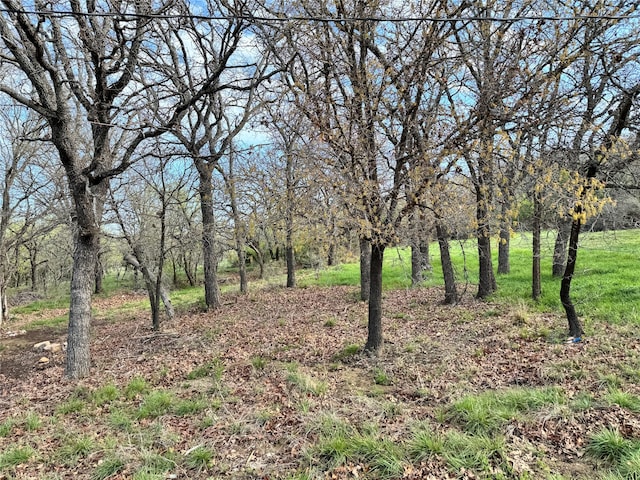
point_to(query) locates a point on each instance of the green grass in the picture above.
(155, 404)
(605, 285)
(306, 383)
(200, 458)
(109, 467)
(488, 411)
(213, 368)
(609, 445)
(15, 456)
(137, 386)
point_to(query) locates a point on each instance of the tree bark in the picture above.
(486, 281)
(504, 260)
(136, 261)
(536, 284)
(365, 269)
(560, 248)
(575, 328)
(209, 258)
(450, 290)
(4, 306)
(374, 336)
(99, 275)
(79, 332)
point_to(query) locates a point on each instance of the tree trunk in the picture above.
(33, 263)
(4, 306)
(416, 265)
(365, 269)
(79, 332)
(575, 328)
(209, 258)
(560, 248)
(487, 280)
(536, 284)
(374, 336)
(504, 261)
(291, 264)
(331, 254)
(137, 262)
(188, 271)
(450, 290)
(98, 275)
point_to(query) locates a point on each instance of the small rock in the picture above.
(42, 345)
(53, 348)
(43, 360)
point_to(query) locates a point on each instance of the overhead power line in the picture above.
(321, 19)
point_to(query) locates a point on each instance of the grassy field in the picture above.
(606, 285)
(275, 385)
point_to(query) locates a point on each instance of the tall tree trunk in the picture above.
(78, 360)
(575, 328)
(209, 258)
(242, 268)
(291, 263)
(365, 269)
(374, 336)
(4, 306)
(99, 273)
(504, 261)
(33, 263)
(450, 290)
(416, 265)
(331, 254)
(151, 283)
(536, 284)
(289, 253)
(487, 280)
(560, 248)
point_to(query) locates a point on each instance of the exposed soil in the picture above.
(18, 360)
(434, 355)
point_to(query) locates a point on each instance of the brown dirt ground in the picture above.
(433, 355)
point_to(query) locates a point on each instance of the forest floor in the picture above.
(275, 385)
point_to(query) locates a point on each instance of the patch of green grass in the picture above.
(120, 419)
(200, 458)
(624, 399)
(214, 369)
(629, 466)
(75, 447)
(73, 405)
(6, 427)
(486, 412)
(425, 443)
(258, 362)
(609, 445)
(330, 323)
(108, 467)
(155, 404)
(137, 386)
(473, 452)
(582, 401)
(32, 421)
(605, 286)
(347, 351)
(154, 464)
(105, 394)
(190, 406)
(381, 455)
(306, 383)
(14, 456)
(380, 377)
